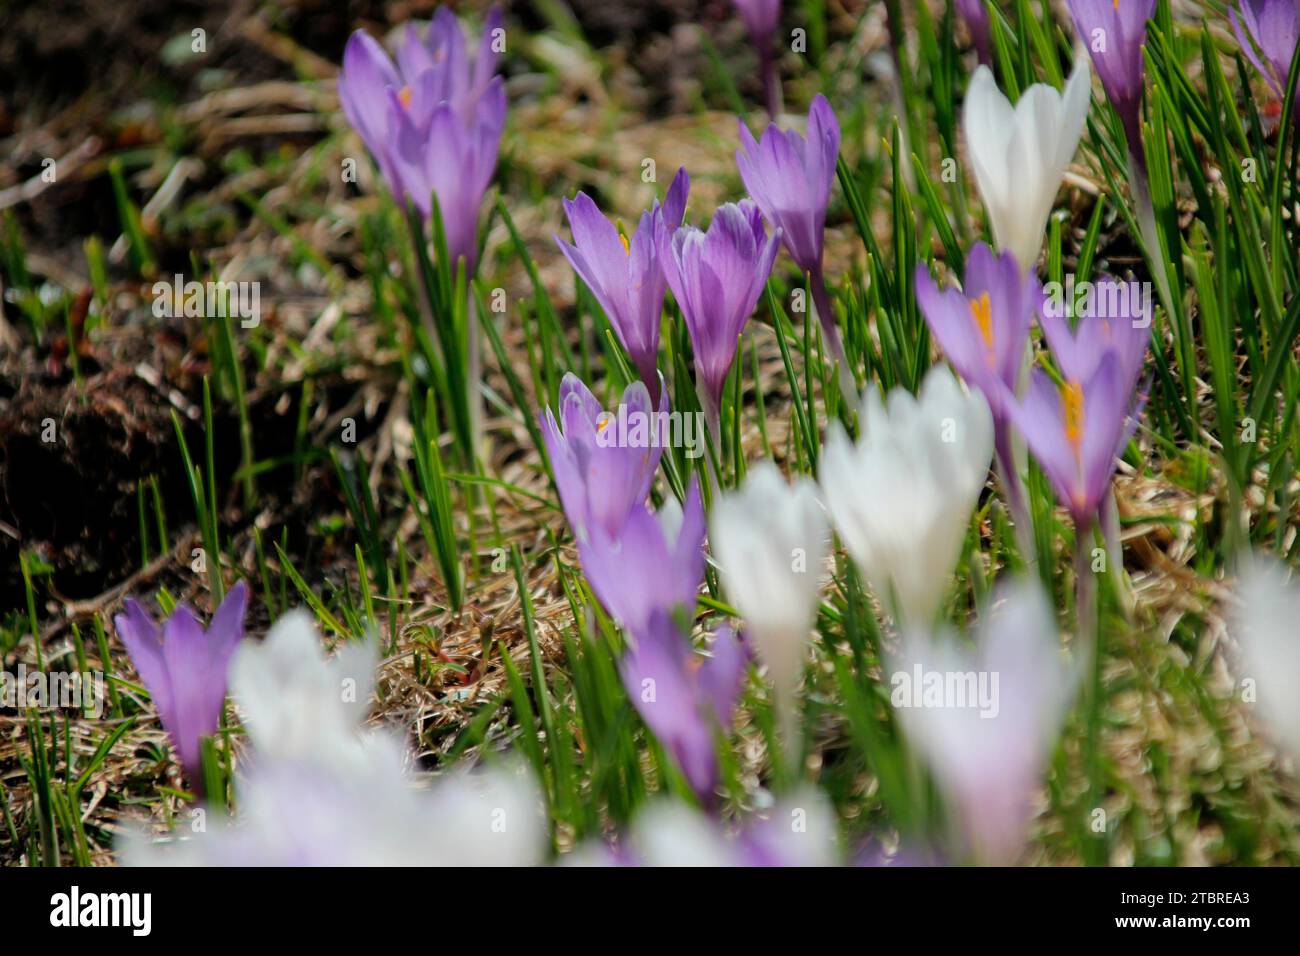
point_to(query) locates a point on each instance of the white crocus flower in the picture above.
(986, 719)
(297, 704)
(298, 814)
(770, 540)
(901, 498)
(1264, 626)
(1020, 153)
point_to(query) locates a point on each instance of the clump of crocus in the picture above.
(625, 274)
(1114, 33)
(683, 697)
(762, 17)
(976, 15)
(790, 178)
(988, 751)
(185, 668)
(983, 329)
(599, 481)
(901, 498)
(717, 277)
(1264, 626)
(1268, 32)
(433, 122)
(770, 540)
(652, 563)
(1020, 153)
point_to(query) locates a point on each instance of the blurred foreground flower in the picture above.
(1269, 32)
(185, 669)
(790, 178)
(770, 540)
(989, 749)
(799, 830)
(1020, 153)
(599, 480)
(433, 122)
(685, 698)
(901, 498)
(317, 791)
(294, 814)
(1264, 626)
(297, 705)
(625, 274)
(716, 278)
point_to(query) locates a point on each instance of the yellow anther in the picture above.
(981, 311)
(1072, 397)
(404, 95)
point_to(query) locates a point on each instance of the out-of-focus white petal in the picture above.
(986, 719)
(1268, 642)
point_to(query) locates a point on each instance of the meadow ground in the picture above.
(295, 453)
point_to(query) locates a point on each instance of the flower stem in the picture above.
(474, 376)
(1015, 494)
(1088, 637)
(771, 79)
(1146, 216)
(831, 336)
(713, 419)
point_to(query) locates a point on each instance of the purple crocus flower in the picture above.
(1114, 33)
(1078, 352)
(1268, 32)
(983, 329)
(762, 17)
(717, 277)
(599, 481)
(184, 668)
(451, 159)
(1077, 429)
(433, 122)
(654, 562)
(682, 696)
(625, 275)
(790, 178)
(976, 15)
(441, 65)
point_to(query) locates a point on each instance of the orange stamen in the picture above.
(627, 249)
(404, 96)
(1072, 397)
(981, 311)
